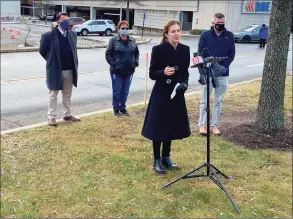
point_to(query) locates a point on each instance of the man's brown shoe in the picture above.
(203, 130)
(52, 122)
(215, 130)
(71, 118)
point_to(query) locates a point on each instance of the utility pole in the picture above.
(121, 11)
(34, 9)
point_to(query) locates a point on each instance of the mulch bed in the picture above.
(238, 128)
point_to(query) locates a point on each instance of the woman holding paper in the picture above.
(166, 117)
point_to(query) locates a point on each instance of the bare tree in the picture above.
(29, 28)
(45, 6)
(270, 113)
(138, 2)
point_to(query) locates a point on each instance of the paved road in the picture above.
(24, 92)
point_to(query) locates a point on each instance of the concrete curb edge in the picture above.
(35, 49)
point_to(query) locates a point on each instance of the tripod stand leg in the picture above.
(225, 190)
(218, 171)
(184, 176)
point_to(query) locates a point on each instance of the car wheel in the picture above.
(84, 32)
(246, 39)
(108, 32)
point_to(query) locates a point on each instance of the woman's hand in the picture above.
(169, 71)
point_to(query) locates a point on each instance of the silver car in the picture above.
(95, 26)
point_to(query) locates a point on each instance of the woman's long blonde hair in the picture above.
(166, 29)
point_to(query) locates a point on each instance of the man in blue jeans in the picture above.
(221, 43)
(122, 54)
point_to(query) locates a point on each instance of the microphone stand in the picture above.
(211, 170)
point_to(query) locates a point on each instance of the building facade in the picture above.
(194, 14)
(10, 11)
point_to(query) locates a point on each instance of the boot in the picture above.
(158, 168)
(166, 161)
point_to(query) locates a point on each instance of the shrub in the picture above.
(196, 31)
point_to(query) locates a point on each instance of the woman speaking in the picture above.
(166, 117)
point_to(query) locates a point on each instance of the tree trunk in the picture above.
(127, 12)
(270, 113)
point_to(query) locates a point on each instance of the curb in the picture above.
(106, 110)
(147, 40)
(35, 49)
(7, 22)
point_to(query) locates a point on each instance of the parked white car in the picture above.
(95, 26)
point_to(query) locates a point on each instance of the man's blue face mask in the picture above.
(64, 25)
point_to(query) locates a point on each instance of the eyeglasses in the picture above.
(124, 28)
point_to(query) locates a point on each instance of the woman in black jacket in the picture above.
(122, 54)
(166, 117)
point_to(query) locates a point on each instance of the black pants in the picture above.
(157, 149)
(262, 43)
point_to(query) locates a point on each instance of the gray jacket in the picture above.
(122, 57)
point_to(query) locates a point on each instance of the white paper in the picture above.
(174, 90)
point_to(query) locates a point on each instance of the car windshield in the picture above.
(111, 22)
(249, 28)
(87, 22)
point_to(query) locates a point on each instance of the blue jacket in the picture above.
(223, 46)
(264, 32)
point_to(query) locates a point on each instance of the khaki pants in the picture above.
(67, 76)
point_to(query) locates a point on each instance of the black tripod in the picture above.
(211, 170)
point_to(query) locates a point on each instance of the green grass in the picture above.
(102, 167)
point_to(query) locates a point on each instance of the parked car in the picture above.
(49, 17)
(95, 26)
(248, 34)
(75, 20)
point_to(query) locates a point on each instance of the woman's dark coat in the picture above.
(167, 119)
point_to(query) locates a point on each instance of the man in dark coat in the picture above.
(58, 48)
(263, 36)
(166, 117)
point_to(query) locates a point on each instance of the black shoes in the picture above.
(124, 112)
(117, 113)
(158, 168)
(166, 161)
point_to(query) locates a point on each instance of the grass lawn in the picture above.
(102, 167)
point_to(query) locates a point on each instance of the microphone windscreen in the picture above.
(205, 52)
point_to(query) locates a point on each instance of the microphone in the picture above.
(205, 58)
(201, 60)
(198, 61)
(208, 58)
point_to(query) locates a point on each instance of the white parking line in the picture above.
(259, 64)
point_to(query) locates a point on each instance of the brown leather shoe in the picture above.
(215, 130)
(71, 118)
(203, 130)
(52, 122)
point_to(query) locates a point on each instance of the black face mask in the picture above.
(220, 27)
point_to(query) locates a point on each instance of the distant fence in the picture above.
(10, 17)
